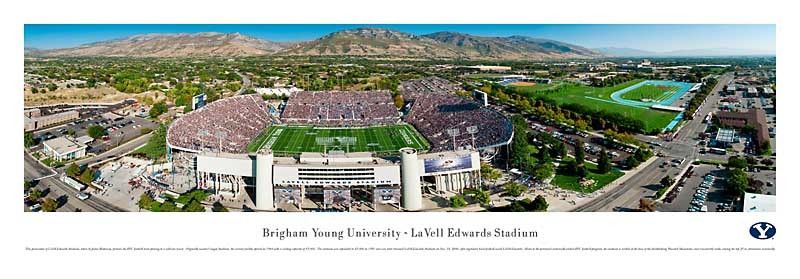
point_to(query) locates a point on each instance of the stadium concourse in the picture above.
(210, 147)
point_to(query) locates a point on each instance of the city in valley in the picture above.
(395, 119)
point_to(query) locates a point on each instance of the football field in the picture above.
(297, 139)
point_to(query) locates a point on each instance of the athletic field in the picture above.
(610, 99)
(650, 93)
(296, 139)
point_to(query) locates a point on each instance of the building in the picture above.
(755, 118)
(35, 121)
(758, 203)
(332, 177)
(725, 137)
(62, 149)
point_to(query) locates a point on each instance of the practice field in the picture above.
(297, 139)
(600, 98)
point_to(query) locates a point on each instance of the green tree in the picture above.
(539, 204)
(604, 162)
(158, 109)
(514, 189)
(218, 207)
(145, 201)
(483, 197)
(457, 201)
(29, 141)
(49, 205)
(631, 162)
(27, 185)
(489, 173)
(34, 90)
(194, 206)
(580, 154)
(73, 170)
(737, 181)
(544, 170)
(96, 131)
(52, 87)
(736, 162)
(35, 194)
(87, 176)
(666, 181)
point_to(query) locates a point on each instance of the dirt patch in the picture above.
(84, 95)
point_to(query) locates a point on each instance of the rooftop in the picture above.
(62, 145)
(758, 203)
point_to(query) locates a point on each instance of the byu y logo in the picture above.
(762, 230)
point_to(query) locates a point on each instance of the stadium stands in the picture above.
(435, 109)
(237, 120)
(334, 108)
(413, 89)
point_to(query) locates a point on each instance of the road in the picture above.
(645, 183)
(117, 151)
(47, 178)
(245, 84)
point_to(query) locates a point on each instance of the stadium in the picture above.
(329, 147)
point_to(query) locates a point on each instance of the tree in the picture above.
(399, 101)
(483, 197)
(87, 176)
(49, 205)
(145, 201)
(631, 162)
(514, 189)
(158, 109)
(96, 131)
(580, 154)
(604, 162)
(489, 173)
(73, 170)
(457, 201)
(34, 90)
(52, 87)
(736, 162)
(539, 204)
(667, 181)
(737, 182)
(544, 171)
(194, 206)
(29, 141)
(218, 207)
(35, 194)
(562, 150)
(27, 185)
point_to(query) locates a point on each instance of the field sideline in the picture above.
(297, 139)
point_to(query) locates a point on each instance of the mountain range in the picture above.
(708, 52)
(352, 42)
(363, 42)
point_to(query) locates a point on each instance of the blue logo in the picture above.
(762, 230)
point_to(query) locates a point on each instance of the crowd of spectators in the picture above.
(412, 89)
(232, 122)
(335, 108)
(435, 109)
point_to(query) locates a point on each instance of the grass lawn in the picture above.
(599, 98)
(537, 87)
(570, 182)
(650, 92)
(296, 139)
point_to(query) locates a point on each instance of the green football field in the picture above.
(650, 92)
(599, 98)
(296, 139)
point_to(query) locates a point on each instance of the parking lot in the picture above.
(119, 130)
(704, 187)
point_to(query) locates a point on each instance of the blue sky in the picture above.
(645, 37)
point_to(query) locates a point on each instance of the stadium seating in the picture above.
(436, 109)
(333, 108)
(237, 120)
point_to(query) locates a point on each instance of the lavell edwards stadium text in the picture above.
(447, 232)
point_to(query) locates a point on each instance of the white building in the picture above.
(62, 149)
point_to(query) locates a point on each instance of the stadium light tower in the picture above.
(203, 133)
(472, 130)
(453, 132)
(220, 135)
